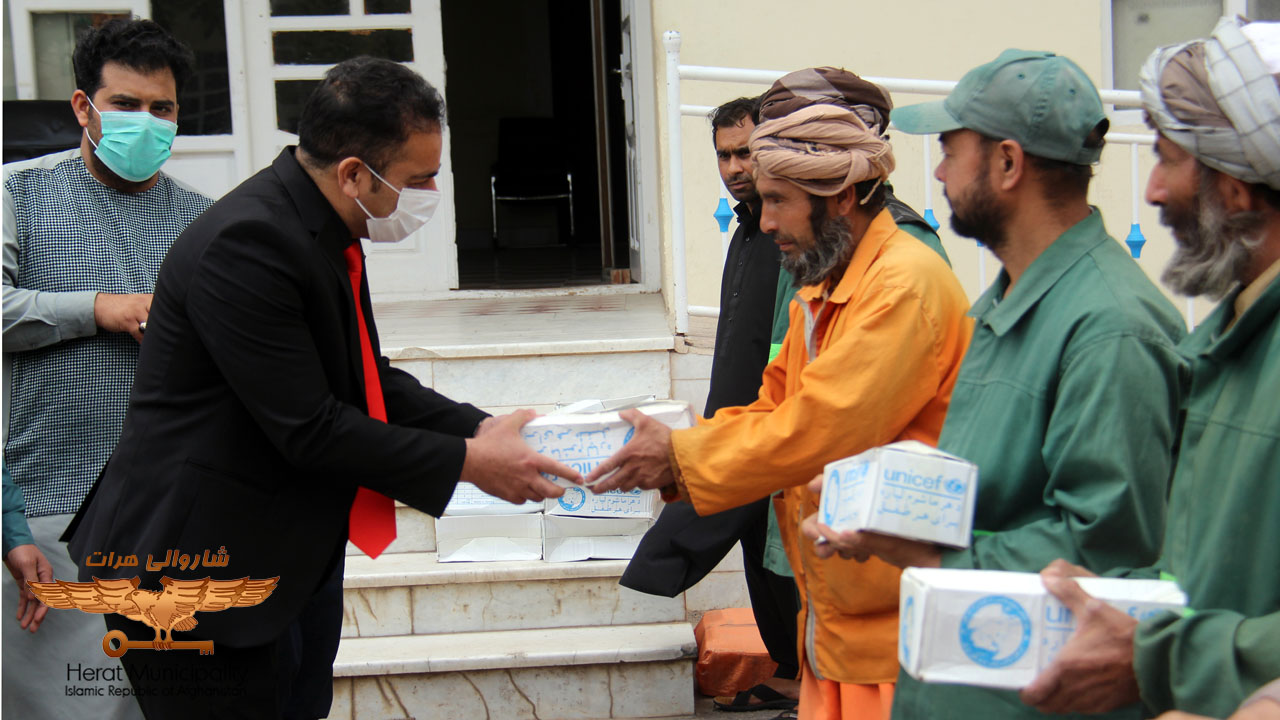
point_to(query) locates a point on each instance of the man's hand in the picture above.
(26, 562)
(121, 313)
(641, 463)
(1093, 672)
(860, 546)
(502, 464)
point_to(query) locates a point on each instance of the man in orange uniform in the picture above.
(876, 338)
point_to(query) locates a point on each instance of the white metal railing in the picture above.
(675, 110)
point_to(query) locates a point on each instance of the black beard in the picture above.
(979, 216)
(832, 248)
(1213, 248)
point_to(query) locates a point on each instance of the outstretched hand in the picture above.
(1093, 672)
(641, 463)
(860, 546)
(502, 464)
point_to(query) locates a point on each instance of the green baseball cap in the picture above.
(1043, 101)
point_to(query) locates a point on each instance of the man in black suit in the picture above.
(252, 422)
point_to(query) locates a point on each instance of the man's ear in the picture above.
(349, 172)
(1008, 164)
(845, 201)
(80, 106)
(1237, 195)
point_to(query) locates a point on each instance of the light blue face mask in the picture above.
(134, 144)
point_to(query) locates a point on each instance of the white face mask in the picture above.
(413, 209)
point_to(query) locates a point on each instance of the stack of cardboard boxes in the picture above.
(579, 525)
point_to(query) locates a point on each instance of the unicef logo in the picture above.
(904, 626)
(573, 499)
(831, 497)
(955, 487)
(995, 632)
(631, 431)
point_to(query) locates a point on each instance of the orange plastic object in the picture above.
(731, 655)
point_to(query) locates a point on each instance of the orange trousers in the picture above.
(831, 700)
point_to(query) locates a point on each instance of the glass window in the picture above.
(291, 95)
(385, 7)
(204, 106)
(53, 39)
(1140, 26)
(322, 47)
(1264, 9)
(309, 7)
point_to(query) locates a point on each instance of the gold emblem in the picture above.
(172, 609)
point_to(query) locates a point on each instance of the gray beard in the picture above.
(832, 248)
(1213, 249)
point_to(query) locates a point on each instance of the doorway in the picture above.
(538, 145)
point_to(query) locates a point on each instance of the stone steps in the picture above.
(413, 593)
(623, 671)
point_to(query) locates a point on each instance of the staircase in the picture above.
(513, 640)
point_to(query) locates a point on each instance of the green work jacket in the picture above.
(1223, 531)
(1067, 401)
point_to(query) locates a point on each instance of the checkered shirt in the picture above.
(67, 401)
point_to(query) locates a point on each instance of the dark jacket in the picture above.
(247, 426)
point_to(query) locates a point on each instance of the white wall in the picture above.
(929, 39)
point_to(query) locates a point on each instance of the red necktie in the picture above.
(373, 515)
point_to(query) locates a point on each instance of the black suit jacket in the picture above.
(247, 426)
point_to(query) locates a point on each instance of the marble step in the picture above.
(403, 594)
(622, 671)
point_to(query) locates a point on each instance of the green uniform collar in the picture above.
(1209, 339)
(1002, 313)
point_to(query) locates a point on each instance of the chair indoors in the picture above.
(533, 167)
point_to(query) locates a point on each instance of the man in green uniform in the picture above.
(1068, 395)
(1216, 107)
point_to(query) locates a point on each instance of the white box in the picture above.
(479, 538)
(1000, 629)
(470, 500)
(584, 440)
(568, 539)
(906, 489)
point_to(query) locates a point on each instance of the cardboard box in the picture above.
(584, 440)
(480, 538)
(1000, 629)
(906, 489)
(568, 539)
(470, 500)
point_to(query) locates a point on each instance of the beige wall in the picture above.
(924, 39)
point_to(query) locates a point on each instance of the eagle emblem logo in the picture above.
(174, 608)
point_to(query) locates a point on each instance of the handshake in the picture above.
(621, 451)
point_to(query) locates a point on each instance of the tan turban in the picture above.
(822, 149)
(1218, 98)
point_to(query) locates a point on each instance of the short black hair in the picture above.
(734, 112)
(140, 45)
(366, 107)
(1062, 181)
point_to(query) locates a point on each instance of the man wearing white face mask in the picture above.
(84, 234)
(264, 419)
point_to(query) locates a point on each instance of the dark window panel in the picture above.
(321, 47)
(205, 101)
(386, 7)
(291, 95)
(281, 8)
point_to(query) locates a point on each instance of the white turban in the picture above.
(1241, 61)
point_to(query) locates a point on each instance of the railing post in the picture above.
(928, 184)
(675, 183)
(1135, 240)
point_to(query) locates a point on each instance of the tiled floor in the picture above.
(533, 267)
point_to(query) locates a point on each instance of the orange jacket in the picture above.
(872, 365)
